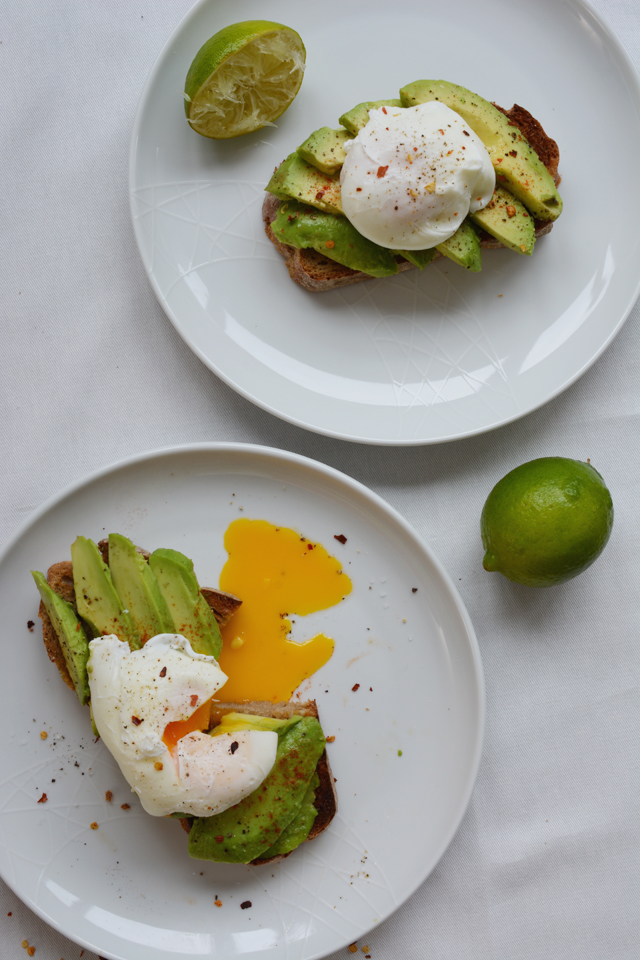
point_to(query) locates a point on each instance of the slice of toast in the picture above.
(223, 605)
(316, 273)
(325, 801)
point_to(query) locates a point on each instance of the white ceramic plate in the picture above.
(417, 358)
(129, 890)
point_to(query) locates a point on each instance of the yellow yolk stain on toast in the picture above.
(276, 573)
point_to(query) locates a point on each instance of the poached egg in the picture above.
(413, 174)
(150, 707)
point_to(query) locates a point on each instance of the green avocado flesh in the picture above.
(299, 180)
(298, 830)
(463, 247)
(517, 165)
(138, 588)
(506, 219)
(97, 600)
(419, 258)
(358, 117)
(247, 830)
(300, 226)
(190, 613)
(325, 149)
(70, 633)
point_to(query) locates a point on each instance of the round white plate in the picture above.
(128, 890)
(418, 358)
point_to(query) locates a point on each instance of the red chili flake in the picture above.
(218, 903)
(330, 739)
(382, 170)
(245, 904)
(513, 153)
(414, 589)
(108, 796)
(290, 218)
(499, 160)
(358, 189)
(501, 177)
(466, 133)
(125, 806)
(163, 672)
(310, 546)
(194, 699)
(136, 720)
(219, 839)
(319, 194)
(355, 687)
(340, 537)
(78, 626)
(43, 798)
(330, 244)
(442, 132)
(384, 110)
(30, 624)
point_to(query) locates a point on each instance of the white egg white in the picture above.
(413, 174)
(136, 694)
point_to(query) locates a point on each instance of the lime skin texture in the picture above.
(546, 521)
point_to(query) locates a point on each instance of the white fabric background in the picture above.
(546, 861)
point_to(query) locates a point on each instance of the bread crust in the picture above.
(317, 273)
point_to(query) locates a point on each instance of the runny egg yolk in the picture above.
(199, 720)
(275, 572)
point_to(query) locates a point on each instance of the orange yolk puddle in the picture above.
(275, 572)
(199, 720)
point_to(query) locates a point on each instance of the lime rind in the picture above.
(546, 521)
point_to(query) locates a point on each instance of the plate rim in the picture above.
(632, 77)
(353, 486)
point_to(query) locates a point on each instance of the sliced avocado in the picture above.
(358, 117)
(70, 633)
(232, 722)
(325, 149)
(97, 600)
(419, 258)
(298, 180)
(506, 219)
(138, 588)
(255, 823)
(190, 613)
(463, 247)
(516, 163)
(335, 237)
(298, 830)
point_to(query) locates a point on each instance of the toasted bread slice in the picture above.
(316, 273)
(223, 605)
(326, 801)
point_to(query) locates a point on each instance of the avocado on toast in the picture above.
(297, 800)
(323, 251)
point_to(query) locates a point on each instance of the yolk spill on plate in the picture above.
(276, 573)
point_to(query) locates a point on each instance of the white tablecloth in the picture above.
(546, 861)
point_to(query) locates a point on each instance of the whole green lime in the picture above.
(546, 521)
